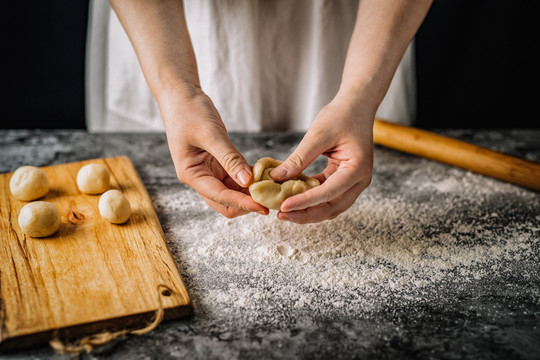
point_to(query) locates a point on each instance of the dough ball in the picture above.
(114, 207)
(39, 219)
(93, 179)
(269, 193)
(29, 183)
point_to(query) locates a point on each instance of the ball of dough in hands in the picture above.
(93, 179)
(39, 219)
(269, 193)
(114, 207)
(29, 183)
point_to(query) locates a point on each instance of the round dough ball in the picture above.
(39, 219)
(114, 207)
(29, 183)
(93, 179)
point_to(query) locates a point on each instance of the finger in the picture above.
(327, 172)
(230, 159)
(335, 185)
(213, 189)
(231, 184)
(309, 148)
(326, 211)
(227, 211)
(320, 177)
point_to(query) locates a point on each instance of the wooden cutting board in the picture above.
(91, 275)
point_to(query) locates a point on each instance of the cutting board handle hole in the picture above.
(166, 292)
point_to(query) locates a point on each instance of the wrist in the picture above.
(174, 82)
(365, 91)
(179, 92)
(360, 100)
(182, 104)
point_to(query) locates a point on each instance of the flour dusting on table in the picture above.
(392, 250)
(430, 262)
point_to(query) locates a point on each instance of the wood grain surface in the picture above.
(457, 153)
(91, 275)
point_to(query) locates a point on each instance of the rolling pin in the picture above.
(457, 153)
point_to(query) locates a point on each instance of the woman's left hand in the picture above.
(342, 131)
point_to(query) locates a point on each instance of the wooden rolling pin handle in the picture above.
(457, 153)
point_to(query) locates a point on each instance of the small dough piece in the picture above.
(114, 207)
(29, 183)
(39, 219)
(93, 179)
(269, 193)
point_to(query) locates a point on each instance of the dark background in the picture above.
(477, 64)
(43, 46)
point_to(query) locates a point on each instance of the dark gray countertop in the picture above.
(430, 262)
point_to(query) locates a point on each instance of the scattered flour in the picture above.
(384, 250)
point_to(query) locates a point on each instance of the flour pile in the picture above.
(388, 250)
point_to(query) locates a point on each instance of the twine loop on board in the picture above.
(90, 342)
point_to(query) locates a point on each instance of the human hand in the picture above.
(342, 131)
(203, 155)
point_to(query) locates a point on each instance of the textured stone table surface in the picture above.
(430, 262)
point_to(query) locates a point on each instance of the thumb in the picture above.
(307, 151)
(232, 161)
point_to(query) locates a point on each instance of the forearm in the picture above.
(159, 35)
(383, 30)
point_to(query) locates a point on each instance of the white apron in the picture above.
(266, 65)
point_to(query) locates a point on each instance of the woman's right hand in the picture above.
(203, 155)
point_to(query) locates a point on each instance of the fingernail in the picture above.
(244, 177)
(278, 173)
(284, 208)
(261, 212)
(284, 217)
